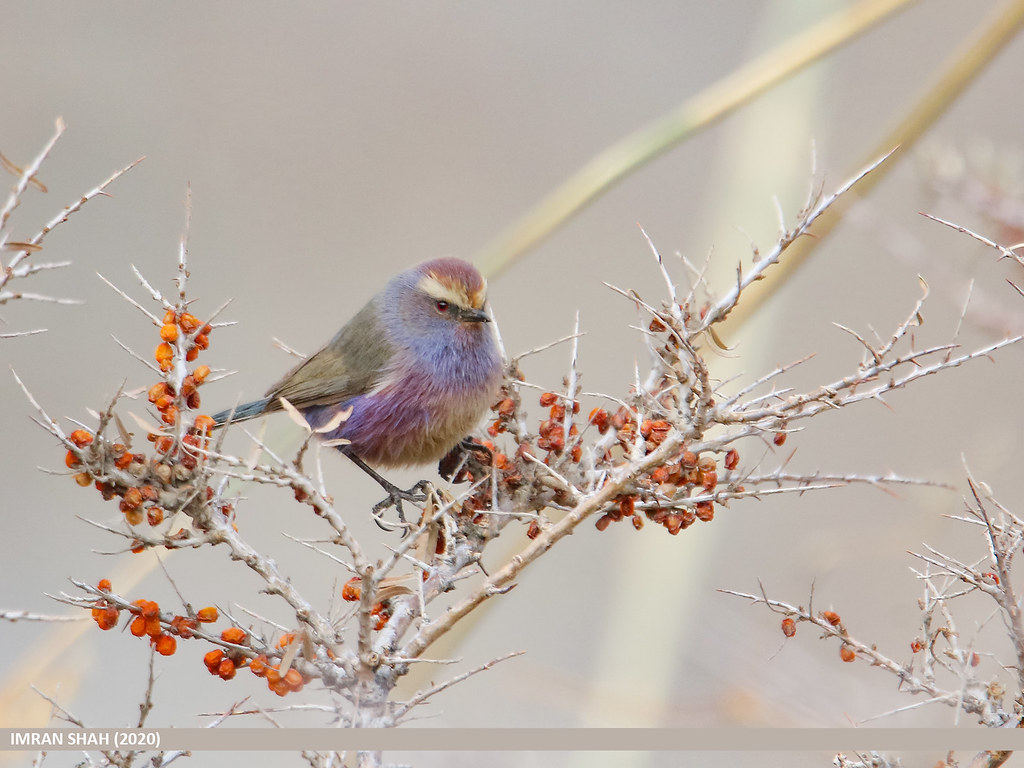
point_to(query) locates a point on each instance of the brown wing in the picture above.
(350, 364)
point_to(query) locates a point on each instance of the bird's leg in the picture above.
(395, 497)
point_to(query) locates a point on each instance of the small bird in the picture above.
(418, 366)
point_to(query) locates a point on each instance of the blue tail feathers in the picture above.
(242, 412)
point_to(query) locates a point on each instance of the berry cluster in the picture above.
(224, 663)
(660, 496)
(197, 337)
(149, 485)
(685, 474)
(846, 651)
(148, 622)
(381, 610)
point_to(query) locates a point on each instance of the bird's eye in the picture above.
(442, 306)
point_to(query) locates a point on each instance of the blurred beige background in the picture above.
(330, 145)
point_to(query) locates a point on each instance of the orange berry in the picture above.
(915, 646)
(280, 687)
(104, 585)
(154, 516)
(122, 461)
(84, 479)
(165, 644)
(506, 407)
(202, 341)
(205, 424)
(169, 333)
(533, 531)
(192, 354)
(273, 675)
(138, 626)
(831, 617)
(137, 547)
(80, 437)
(188, 322)
(638, 522)
(158, 390)
(207, 615)
(132, 498)
(71, 460)
(847, 654)
(213, 659)
(622, 417)
(226, 669)
(164, 353)
(705, 511)
(170, 415)
(107, 617)
(688, 459)
(164, 443)
(200, 374)
(286, 639)
(293, 680)
(732, 459)
(788, 627)
(235, 635)
(258, 666)
(548, 399)
(603, 522)
(133, 516)
(779, 439)
(184, 626)
(351, 591)
(169, 317)
(709, 480)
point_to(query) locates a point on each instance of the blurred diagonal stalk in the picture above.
(692, 116)
(706, 108)
(963, 66)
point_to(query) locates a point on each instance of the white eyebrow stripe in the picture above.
(438, 290)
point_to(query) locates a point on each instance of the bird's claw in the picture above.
(415, 495)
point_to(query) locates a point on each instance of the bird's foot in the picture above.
(415, 495)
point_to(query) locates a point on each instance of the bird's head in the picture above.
(442, 299)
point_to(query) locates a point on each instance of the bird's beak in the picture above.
(474, 316)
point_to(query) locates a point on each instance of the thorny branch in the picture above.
(19, 266)
(944, 664)
(665, 455)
